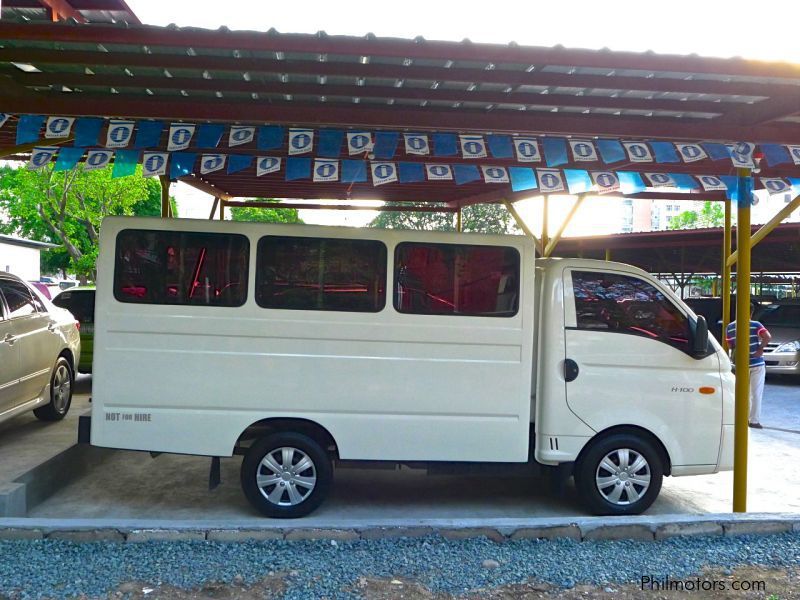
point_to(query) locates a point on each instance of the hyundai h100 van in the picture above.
(304, 348)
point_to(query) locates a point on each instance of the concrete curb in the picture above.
(640, 528)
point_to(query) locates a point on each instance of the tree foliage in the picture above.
(266, 215)
(67, 208)
(479, 218)
(711, 215)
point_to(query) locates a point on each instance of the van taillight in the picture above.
(78, 325)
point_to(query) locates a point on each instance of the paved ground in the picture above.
(133, 485)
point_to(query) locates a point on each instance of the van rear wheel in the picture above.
(286, 475)
(620, 474)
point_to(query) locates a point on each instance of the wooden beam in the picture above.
(25, 148)
(204, 186)
(62, 9)
(524, 226)
(551, 244)
(165, 208)
(301, 206)
(213, 208)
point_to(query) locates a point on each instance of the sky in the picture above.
(720, 28)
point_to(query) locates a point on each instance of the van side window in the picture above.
(304, 273)
(624, 304)
(456, 279)
(185, 268)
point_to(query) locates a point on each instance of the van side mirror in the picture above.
(700, 338)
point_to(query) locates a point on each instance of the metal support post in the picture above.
(553, 242)
(458, 220)
(768, 227)
(608, 254)
(742, 411)
(522, 225)
(213, 209)
(165, 207)
(726, 276)
(222, 205)
(545, 225)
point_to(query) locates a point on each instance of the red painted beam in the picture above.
(371, 91)
(527, 122)
(299, 206)
(389, 47)
(411, 72)
(62, 9)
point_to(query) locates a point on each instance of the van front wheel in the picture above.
(286, 475)
(619, 475)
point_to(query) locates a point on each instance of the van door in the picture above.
(628, 362)
(9, 362)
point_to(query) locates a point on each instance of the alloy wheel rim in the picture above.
(623, 476)
(286, 476)
(61, 388)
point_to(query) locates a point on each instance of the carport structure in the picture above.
(347, 84)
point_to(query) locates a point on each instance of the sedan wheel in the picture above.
(61, 381)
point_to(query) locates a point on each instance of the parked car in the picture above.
(39, 347)
(782, 318)
(43, 289)
(80, 302)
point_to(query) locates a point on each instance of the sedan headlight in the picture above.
(789, 347)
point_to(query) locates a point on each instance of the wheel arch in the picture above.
(66, 353)
(263, 427)
(634, 430)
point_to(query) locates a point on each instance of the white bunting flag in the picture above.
(154, 163)
(56, 127)
(40, 157)
(691, 152)
(794, 151)
(527, 150)
(241, 135)
(660, 179)
(472, 146)
(3, 118)
(301, 141)
(495, 175)
(742, 154)
(359, 142)
(711, 183)
(211, 162)
(417, 144)
(439, 172)
(180, 136)
(119, 133)
(383, 172)
(97, 159)
(326, 170)
(267, 164)
(550, 181)
(775, 185)
(583, 150)
(606, 181)
(638, 151)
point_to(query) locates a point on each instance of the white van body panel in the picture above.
(386, 385)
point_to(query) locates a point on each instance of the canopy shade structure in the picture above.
(393, 85)
(82, 11)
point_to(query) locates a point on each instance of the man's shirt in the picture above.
(755, 342)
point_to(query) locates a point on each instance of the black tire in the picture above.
(62, 381)
(595, 496)
(275, 499)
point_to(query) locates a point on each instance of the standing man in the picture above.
(759, 338)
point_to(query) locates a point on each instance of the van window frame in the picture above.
(378, 243)
(497, 315)
(690, 322)
(246, 271)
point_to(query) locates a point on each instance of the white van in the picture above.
(306, 347)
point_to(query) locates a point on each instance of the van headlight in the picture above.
(789, 347)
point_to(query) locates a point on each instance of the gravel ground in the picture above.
(294, 570)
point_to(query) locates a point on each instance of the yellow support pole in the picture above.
(768, 227)
(458, 220)
(742, 410)
(545, 218)
(726, 275)
(608, 254)
(553, 242)
(522, 225)
(165, 208)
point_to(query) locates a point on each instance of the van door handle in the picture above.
(9, 339)
(570, 370)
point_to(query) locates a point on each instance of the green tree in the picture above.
(150, 205)
(480, 218)
(711, 215)
(66, 208)
(266, 215)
